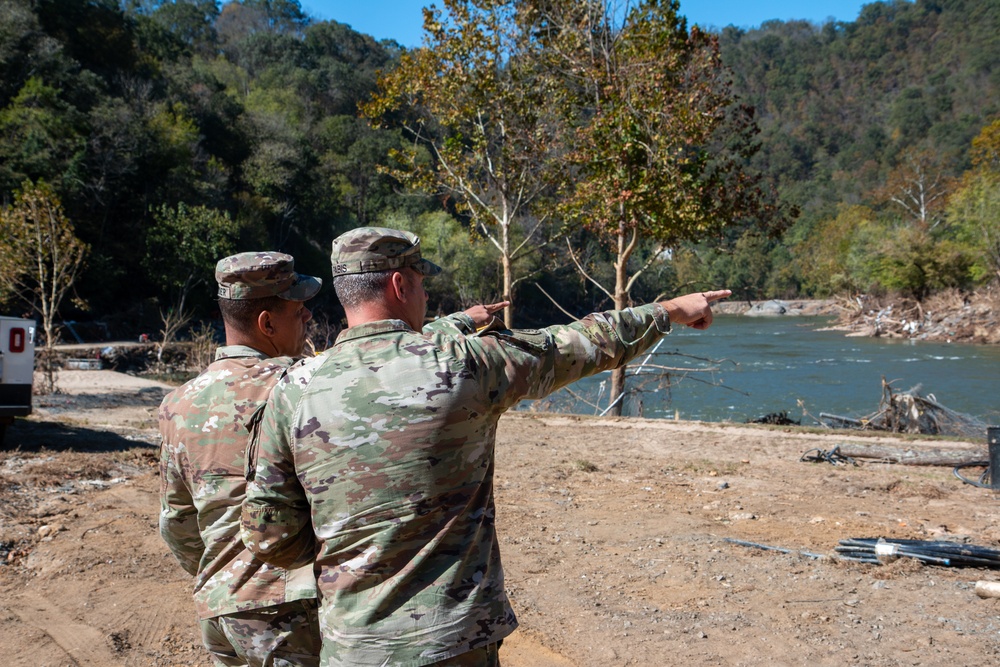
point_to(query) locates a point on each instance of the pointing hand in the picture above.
(694, 310)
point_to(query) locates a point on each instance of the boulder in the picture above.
(768, 309)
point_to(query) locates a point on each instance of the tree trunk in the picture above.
(913, 457)
(625, 248)
(508, 277)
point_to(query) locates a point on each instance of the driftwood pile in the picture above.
(910, 412)
(951, 315)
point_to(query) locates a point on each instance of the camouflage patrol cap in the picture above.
(255, 275)
(369, 249)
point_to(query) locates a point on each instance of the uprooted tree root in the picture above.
(911, 412)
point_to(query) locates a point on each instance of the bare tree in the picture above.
(174, 318)
(920, 187)
(41, 258)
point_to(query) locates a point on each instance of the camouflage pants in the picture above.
(285, 635)
(484, 656)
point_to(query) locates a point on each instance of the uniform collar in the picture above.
(372, 329)
(234, 351)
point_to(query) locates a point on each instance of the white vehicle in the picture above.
(17, 366)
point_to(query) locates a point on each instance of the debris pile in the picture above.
(775, 419)
(949, 315)
(949, 554)
(910, 412)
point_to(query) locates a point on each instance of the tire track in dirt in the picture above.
(125, 603)
(85, 645)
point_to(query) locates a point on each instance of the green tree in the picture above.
(746, 269)
(353, 161)
(255, 33)
(182, 248)
(40, 137)
(190, 21)
(657, 143)
(910, 117)
(974, 213)
(912, 262)
(25, 50)
(471, 98)
(974, 209)
(823, 257)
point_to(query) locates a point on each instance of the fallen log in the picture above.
(841, 419)
(921, 457)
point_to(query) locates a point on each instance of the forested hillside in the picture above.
(164, 135)
(176, 133)
(868, 127)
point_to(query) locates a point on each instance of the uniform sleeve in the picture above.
(517, 364)
(178, 514)
(449, 324)
(276, 522)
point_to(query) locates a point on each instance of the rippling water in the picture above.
(766, 365)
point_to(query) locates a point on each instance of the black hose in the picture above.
(982, 478)
(833, 456)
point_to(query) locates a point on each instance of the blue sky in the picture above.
(402, 20)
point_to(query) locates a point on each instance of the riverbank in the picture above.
(779, 307)
(949, 316)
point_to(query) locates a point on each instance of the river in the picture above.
(788, 364)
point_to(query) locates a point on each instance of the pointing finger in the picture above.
(716, 295)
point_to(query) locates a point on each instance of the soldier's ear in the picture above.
(265, 324)
(397, 283)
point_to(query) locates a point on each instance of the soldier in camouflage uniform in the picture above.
(251, 613)
(376, 458)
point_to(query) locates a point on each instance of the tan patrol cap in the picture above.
(369, 249)
(255, 275)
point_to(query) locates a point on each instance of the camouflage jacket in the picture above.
(202, 480)
(202, 460)
(377, 457)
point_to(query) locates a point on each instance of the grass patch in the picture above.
(708, 466)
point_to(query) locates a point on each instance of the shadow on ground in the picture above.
(27, 435)
(56, 403)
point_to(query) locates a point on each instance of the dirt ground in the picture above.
(613, 534)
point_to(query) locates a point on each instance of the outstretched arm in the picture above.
(694, 310)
